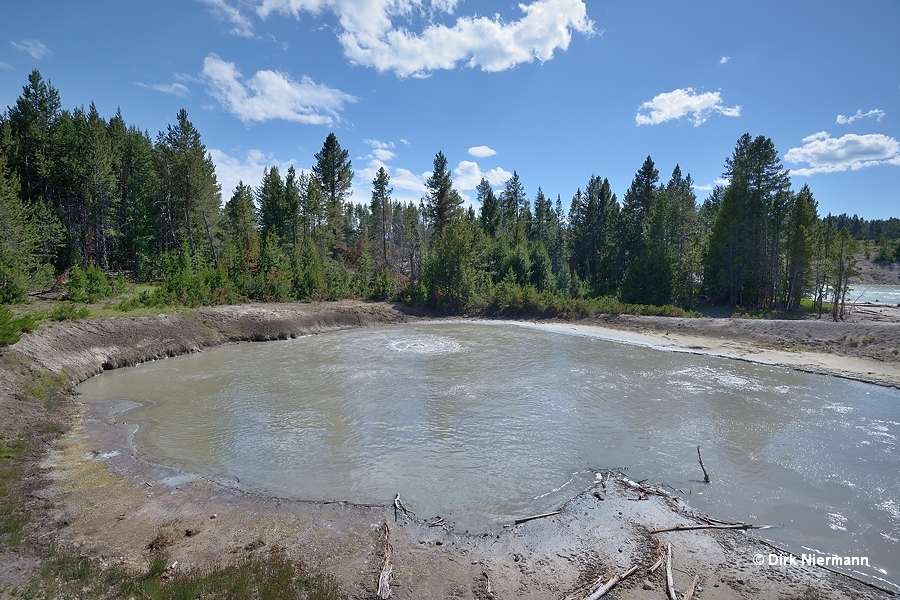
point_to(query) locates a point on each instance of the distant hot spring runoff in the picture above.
(481, 423)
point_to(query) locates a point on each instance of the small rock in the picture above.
(213, 516)
(740, 581)
(647, 586)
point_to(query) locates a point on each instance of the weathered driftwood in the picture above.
(398, 508)
(533, 517)
(705, 474)
(603, 589)
(384, 578)
(690, 593)
(711, 526)
(670, 579)
(657, 565)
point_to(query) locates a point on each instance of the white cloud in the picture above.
(5, 66)
(711, 186)
(851, 152)
(467, 175)
(241, 24)
(230, 170)
(380, 150)
(371, 38)
(481, 151)
(35, 48)
(175, 89)
(272, 95)
(673, 105)
(875, 112)
(724, 60)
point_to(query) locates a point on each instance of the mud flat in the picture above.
(95, 493)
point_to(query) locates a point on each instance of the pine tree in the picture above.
(334, 172)
(381, 210)
(442, 201)
(489, 214)
(190, 193)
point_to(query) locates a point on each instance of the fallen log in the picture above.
(694, 527)
(670, 579)
(603, 589)
(384, 578)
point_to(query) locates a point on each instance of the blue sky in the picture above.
(557, 90)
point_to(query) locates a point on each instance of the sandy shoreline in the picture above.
(101, 497)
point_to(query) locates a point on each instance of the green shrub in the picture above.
(12, 327)
(67, 311)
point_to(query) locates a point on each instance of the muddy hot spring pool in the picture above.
(482, 423)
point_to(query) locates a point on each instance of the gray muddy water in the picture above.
(484, 422)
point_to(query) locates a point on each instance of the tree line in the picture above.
(82, 196)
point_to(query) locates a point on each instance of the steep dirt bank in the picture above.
(99, 496)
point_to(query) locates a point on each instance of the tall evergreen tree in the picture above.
(381, 210)
(271, 198)
(489, 214)
(334, 172)
(442, 201)
(190, 193)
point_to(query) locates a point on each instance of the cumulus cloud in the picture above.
(272, 95)
(175, 89)
(380, 150)
(241, 25)
(371, 37)
(249, 168)
(724, 60)
(467, 175)
(35, 48)
(678, 103)
(408, 186)
(851, 152)
(481, 151)
(875, 113)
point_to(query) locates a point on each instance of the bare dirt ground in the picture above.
(92, 492)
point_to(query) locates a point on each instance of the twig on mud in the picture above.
(603, 589)
(690, 593)
(657, 565)
(533, 517)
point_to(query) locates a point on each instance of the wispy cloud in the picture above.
(670, 106)
(175, 89)
(5, 66)
(241, 24)
(272, 95)
(481, 151)
(371, 38)
(724, 60)
(35, 48)
(851, 152)
(875, 113)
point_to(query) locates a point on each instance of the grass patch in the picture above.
(267, 577)
(12, 519)
(48, 387)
